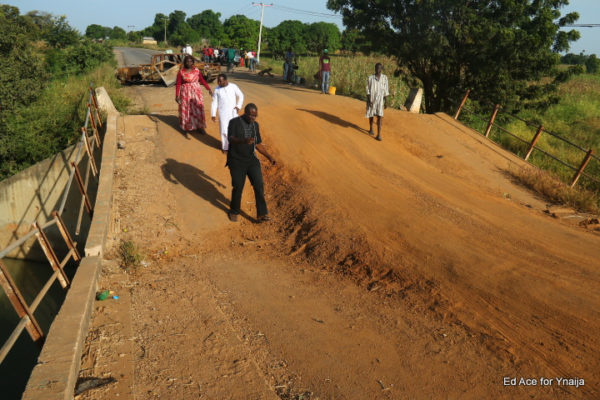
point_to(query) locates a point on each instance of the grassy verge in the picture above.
(553, 189)
(574, 118)
(53, 121)
(348, 74)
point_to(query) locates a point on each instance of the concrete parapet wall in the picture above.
(32, 195)
(55, 375)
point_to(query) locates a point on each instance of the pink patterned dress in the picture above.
(191, 109)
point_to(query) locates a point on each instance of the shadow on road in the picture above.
(334, 120)
(198, 182)
(207, 139)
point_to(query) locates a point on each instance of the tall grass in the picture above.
(575, 118)
(53, 121)
(348, 75)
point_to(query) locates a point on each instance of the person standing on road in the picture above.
(288, 65)
(188, 95)
(224, 100)
(325, 71)
(244, 140)
(230, 59)
(377, 91)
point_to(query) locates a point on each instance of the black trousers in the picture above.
(238, 179)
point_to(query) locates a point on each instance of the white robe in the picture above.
(224, 100)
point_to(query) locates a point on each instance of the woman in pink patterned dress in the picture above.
(188, 95)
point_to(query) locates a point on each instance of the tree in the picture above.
(61, 34)
(323, 35)
(353, 40)
(242, 32)
(135, 37)
(184, 34)
(288, 34)
(499, 49)
(592, 64)
(96, 31)
(118, 33)
(176, 18)
(157, 29)
(208, 25)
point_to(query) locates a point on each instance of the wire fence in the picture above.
(89, 144)
(587, 164)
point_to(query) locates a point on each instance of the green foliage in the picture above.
(22, 72)
(242, 32)
(353, 41)
(208, 26)
(61, 34)
(497, 49)
(592, 64)
(288, 34)
(41, 110)
(574, 117)
(323, 35)
(129, 253)
(118, 33)
(79, 58)
(135, 37)
(96, 31)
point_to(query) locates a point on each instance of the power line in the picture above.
(583, 26)
(306, 12)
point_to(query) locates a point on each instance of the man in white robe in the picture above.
(224, 100)
(377, 91)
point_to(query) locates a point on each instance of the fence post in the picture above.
(492, 118)
(19, 304)
(88, 204)
(95, 102)
(534, 141)
(51, 255)
(66, 236)
(89, 151)
(462, 104)
(94, 127)
(584, 164)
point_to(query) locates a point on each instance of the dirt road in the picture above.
(412, 268)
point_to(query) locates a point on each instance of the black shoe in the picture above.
(263, 218)
(233, 217)
(378, 138)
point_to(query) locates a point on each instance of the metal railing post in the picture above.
(462, 104)
(492, 118)
(533, 142)
(18, 302)
(584, 164)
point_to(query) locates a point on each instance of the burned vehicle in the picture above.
(164, 68)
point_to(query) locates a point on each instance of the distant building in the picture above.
(149, 40)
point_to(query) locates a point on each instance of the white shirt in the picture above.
(224, 99)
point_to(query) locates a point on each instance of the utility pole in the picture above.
(262, 14)
(165, 19)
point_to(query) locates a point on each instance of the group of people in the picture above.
(240, 135)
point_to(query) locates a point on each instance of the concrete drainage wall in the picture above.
(55, 375)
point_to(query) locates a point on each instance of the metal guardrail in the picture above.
(579, 171)
(89, 142)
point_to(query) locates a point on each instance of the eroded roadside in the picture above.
(239, 311)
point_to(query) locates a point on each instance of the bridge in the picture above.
(414, 267)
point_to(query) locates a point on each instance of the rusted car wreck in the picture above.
(164, 68)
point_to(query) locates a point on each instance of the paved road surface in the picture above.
(134, 56)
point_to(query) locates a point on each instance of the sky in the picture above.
(138, 14)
